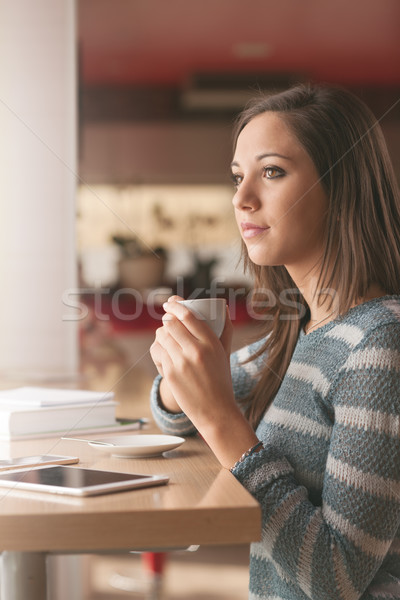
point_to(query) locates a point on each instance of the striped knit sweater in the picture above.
(328, 480)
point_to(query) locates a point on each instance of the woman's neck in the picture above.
(324, 303)
(325, 307)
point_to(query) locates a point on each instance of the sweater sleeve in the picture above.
(244, 377)
(333, 551)
(171, 423)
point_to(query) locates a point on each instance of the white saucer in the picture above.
(137, 446)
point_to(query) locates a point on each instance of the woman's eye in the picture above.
(237, 179)
(273, 172)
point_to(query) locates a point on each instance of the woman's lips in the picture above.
(250, 230)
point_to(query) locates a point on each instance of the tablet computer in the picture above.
(76, 481)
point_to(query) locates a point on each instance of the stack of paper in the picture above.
(36, 411)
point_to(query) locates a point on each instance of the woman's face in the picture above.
(280, 205)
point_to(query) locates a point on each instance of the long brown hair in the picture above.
(362, 238)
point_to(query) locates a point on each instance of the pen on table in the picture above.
(140, 422)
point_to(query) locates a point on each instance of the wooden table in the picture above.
(202, 504)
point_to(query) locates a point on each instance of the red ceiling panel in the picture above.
(136, 42)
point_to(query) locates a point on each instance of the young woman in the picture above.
(308, 417)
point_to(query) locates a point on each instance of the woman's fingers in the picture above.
(163, 364)
(156, 352)
(178, 314)
(194, 364)
(169, 352)
(163, 346)
(187, 352)
(226, 335)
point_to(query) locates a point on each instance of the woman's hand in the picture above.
(191, 359)
(157, 352)
(195, 367)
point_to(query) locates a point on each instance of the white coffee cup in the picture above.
(211, 310)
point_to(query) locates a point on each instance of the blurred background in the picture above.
(160, 83)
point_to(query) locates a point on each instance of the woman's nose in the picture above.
(246, 197)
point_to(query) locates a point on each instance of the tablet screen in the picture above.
(76, 480)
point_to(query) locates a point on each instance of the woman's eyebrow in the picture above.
(264, 155)
(268, 154)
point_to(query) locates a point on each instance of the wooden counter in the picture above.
(202, 504)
